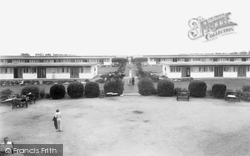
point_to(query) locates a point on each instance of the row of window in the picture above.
(54, 60)
(200, 59)
(48, 70)
(208, 69)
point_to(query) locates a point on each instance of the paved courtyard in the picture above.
(134, 126)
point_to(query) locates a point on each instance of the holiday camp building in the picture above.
(203, 66)
(50, 67)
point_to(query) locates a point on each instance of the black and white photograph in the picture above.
(124, 78)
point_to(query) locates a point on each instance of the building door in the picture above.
(74, 72)
(41, 72)
(218, 71)
(18, 73)
(185, 71)
(241, 71)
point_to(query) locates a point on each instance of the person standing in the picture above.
(133, 81)
(59, 120)
(55, 122)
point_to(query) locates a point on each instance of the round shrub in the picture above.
(246, 88)
(146, 87)
(47, 95)
(218, 90)
(165, 88)
(197, 88)
(42, 94)
(115, 86)
(57, 91)
(92, 90)
(5, 94)
(75, 90)
(33, 89)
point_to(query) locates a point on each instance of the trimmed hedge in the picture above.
(92, 90)
(246, 88)
(115, 86)
(165, 88)
(218, 90)
(197, 88)
(146, 87)
(57, 91)
(33, 89)
(75, 90)
(5, 94)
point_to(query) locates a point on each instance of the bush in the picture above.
(146, 87)
(57, 91)
(47, 95)
(5, 94)
(75, 90)
(92, 90)
(197, 88)
(165, 88)
(218, 90)
(33, 89)
(115, 86)
(246, 88)
(42, 94)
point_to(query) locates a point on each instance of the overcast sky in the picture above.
(116, 27)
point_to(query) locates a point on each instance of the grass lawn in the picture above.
(154, 69)
(134, 125)
(104, 70)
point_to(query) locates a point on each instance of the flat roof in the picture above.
(195, 56)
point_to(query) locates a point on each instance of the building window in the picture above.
(187, 60)
(232, 59)
(174, 59)
(215, 59)
(9, 61)
(244, 59)
(41, 60)
(6, 70)
(86, 70)
(175, 69)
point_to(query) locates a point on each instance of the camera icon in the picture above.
(8, 150)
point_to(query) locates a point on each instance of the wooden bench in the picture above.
(185, 95)
(231, 95)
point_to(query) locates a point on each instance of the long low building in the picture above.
(202, 66)
(37, 67)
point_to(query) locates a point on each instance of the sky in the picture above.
(117, 27)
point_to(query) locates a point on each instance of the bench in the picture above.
(31, 98)
(183, 95)
(231, 95)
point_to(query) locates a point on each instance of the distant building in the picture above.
(51, 67)
(203, 66)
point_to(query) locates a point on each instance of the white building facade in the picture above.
(17, 68)
(203, 66)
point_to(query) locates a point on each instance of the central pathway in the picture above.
(130, 89)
